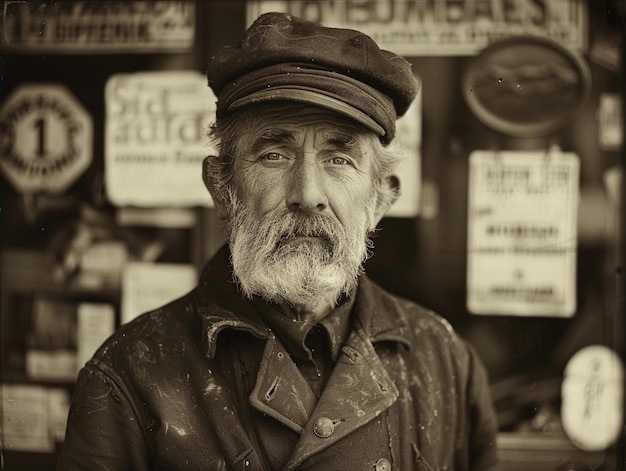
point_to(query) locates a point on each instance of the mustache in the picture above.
(290, 225)
(285, 226)
(268, 235)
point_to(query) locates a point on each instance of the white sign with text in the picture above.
(148, 286)
(522, 238)
(430, 27)
(156, 138)
(25, 419)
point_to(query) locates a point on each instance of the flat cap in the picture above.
(282, 57)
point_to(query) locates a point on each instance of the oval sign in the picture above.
(592, 398)
(526, 86)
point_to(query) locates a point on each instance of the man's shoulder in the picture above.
(155, 331)
(431, 339)
(423, 317)
(420, 321)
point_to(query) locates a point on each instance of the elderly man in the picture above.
(286, 356)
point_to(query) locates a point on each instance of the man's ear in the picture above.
(209, 182)
(392, 184)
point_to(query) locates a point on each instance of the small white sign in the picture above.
(409, 137)
(522, 239)
(610, 126)
(58, 411)
(427, 28)
(147, 286)
(95, 323)
(25, 420)
(51, 365)
(613, 180)
(46, 138)
(592, 406)
(156, 138)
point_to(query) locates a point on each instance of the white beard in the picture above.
(323, 263)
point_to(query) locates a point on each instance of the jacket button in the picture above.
(383, 464)
(324, 427)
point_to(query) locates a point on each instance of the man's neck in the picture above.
(308, 313)
(292, 331)
(311, 313)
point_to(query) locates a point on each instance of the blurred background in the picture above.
(510, 224)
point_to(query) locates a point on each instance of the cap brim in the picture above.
(309, 97)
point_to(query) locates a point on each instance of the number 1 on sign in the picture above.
(40, 129)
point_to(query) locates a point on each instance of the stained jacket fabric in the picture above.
(184, 387)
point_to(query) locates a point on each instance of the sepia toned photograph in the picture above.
(369, 235)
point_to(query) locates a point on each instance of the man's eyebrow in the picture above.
(271, 137)
(342, 141)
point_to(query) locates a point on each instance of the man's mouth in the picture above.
(296, 240)
(299, 239)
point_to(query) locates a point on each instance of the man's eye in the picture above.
(272, 157)
(339, 161)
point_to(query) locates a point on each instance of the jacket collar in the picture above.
(221, 306)
(380, 315)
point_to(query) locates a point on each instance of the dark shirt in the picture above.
(313, 347)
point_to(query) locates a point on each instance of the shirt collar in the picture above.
(292, 332)
(221, 306)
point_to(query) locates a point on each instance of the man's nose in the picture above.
(306, 187)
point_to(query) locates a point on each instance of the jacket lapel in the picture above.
(281, 391)
(358, 391)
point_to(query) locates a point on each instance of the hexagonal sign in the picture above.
(45, 138)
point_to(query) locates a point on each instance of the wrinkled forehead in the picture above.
(288, 123)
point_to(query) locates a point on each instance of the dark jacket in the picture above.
(178, 388)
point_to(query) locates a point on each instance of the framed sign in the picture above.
(526, 86)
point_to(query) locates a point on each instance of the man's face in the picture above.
(303, 205)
